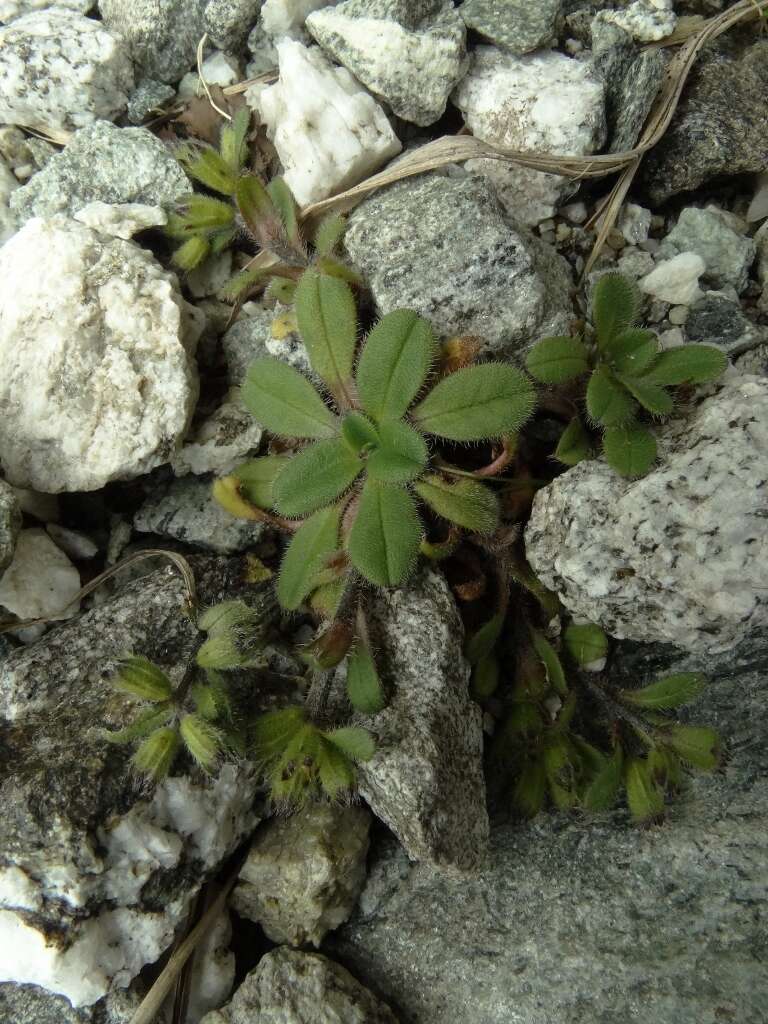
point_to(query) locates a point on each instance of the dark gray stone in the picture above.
(161, 35)
(10, 524)
(147, 98)
(516, 25)
(718, 320)
(245, 341)
(29, 1004)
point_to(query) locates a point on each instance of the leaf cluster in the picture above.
(626, 377)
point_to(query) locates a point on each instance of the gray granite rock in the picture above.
(228, 22)
(303, 873)
(10, 524)
(107, 164)
(290, 987)
(220, 442)
(716, 319)
(676, 556)
(409, 54)
(727, 254)
(592, 921)
(11, 9)
(148, 96)
(444, 247)
(185, 510)
(161, 37)
(246, 341)
(516, 25)
(632, 78)
(719, 128)
(29, 1004)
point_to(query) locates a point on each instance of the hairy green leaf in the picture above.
(476, 403)
(669, 692)
(208, 167)
(469, 503)
(149, 719)
(336, 772)
(607, 400)
(697, 745)
(332, 267)
(140, 677)
(651, 396)
(530, 789)
(364, 688)
(483, 640)
(257, 477)
(550, 661)
(401, 455)
(601, 793)
(315, 477)
(201, 739)
(157, 753)
(585, 642)
(238, 286)
(329, 233)
(557, 360)
(485, 677)
(192, 253)
(283, 401)
(355, 743)
(384, 540)
(394, 364)
(644, 796)
(310, 547)
(630, 450)
(233, 139)
(257, 210)
(688, 364)
(359, 433)
(202, 215)
(282, 290)
(615, 306)
(327, 319)
(574, 445)
(632, 351)
(285, 204)
(273, 731)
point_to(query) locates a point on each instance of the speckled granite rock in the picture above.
(161, 37)
(61, 70)
(106, 164)
(444, 247)
(716, 319)
(409, 53)
(228, 22)
(719, 127)
(220, 442)
(727, 254)
(678, 555)
(290, 987)
(10, 9)
(516, 25)
(10, 524)
(29, 1004)
(583, 921)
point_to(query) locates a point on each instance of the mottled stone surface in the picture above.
(720, 127)
(290, 987)
(716, 319)
(303, 873)
(592, 921)
(676, 556)
(632, 77)
(410, 55)
(221, 441)
(727, 254)
(29, 1004)
(10, 524)
(148, 96)
(444, 247)
(647, 21)
(161, 37)
(228, 22)
(516, 25)
(40, 582)
(246, 341)
(106, 164)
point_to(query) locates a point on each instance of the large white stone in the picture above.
(678, 556)
(287, 17)
(542, 103)
(121, 220)
(40, 581)
(97, 376)
(60, 69)
(328, 131)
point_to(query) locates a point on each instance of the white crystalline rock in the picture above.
(635, 223)
(329, 132)
(97, 376)
(10, 9)
(213, 970)
(541, 103)
(61, 70)
(8, 184)
(121, 220)
(679, 555)
(41, 581)
(218, 69)
(287, 17)
(675, 280)
(647, 21)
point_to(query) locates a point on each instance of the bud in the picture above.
(201, 740)
(141, 678)
(157, 753)
(329, 649)
(227, 492)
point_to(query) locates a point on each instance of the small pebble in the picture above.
(678, 315)
(672, 338)
(574, 213)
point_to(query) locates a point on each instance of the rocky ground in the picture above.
(120, 381)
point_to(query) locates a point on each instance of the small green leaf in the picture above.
(469, 503)
(615, 306)
(603, 790)
(530, 789)
(550, 661)
(238, 286)
(355, 743)
(697, 745)
(283, 401)
(557, 360)
(394, 364)
(651, 396)
(669, 692)
(630, 450)
(145, 722)
(633, 351)
(401, 455)
(688, 364)
(329, 233)
(359, 433)
(157, 753)
(208, 167)
(586, 643)
(141, 678)
(574, 445)
(331, 267)
(256, 478)
(233, 144)
(384, 540)
(312, 544)
(273, 731)
(327, 319)
(282, 290)
(336, 772)
(315, 477)
(485, 677)
(201, 740)
(285, 204)
(257, 210)
(192, 253)
(607, 400)
(477, 403)
(364, 688)
(483, 640)
(644, 796)
(202, 214)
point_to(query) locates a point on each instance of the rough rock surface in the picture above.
(61, 70)
(104, 341)
(228, 22)
(99, 870)
(718, 128)
(123, 220)
(544, 103)
(105, 164)
(289, 987)
(409, 53)
(444, 247)
(40, 581)
(245, 341)
(161, 38)
(516, 25)
(425, 780)
(287, 17)
(583, 921)
(220, 442)
(10, 524)
(8, 185)
(303, 873)
(647, 21)
(727, 254)
(328, 132)
(147, 98)
(717, 319)
(677, 556)
(11, 9)
(29, 1004)
(675, 280)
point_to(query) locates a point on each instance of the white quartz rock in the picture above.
(287, 17)
(8, 184)
(679, 555)
(635, 223)
(213, 970)
(61, 70)
(41, 581)
(542, 103)
(675, 280)
(121, 220)
(328, 131)
(97, 376)
(647, 21)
